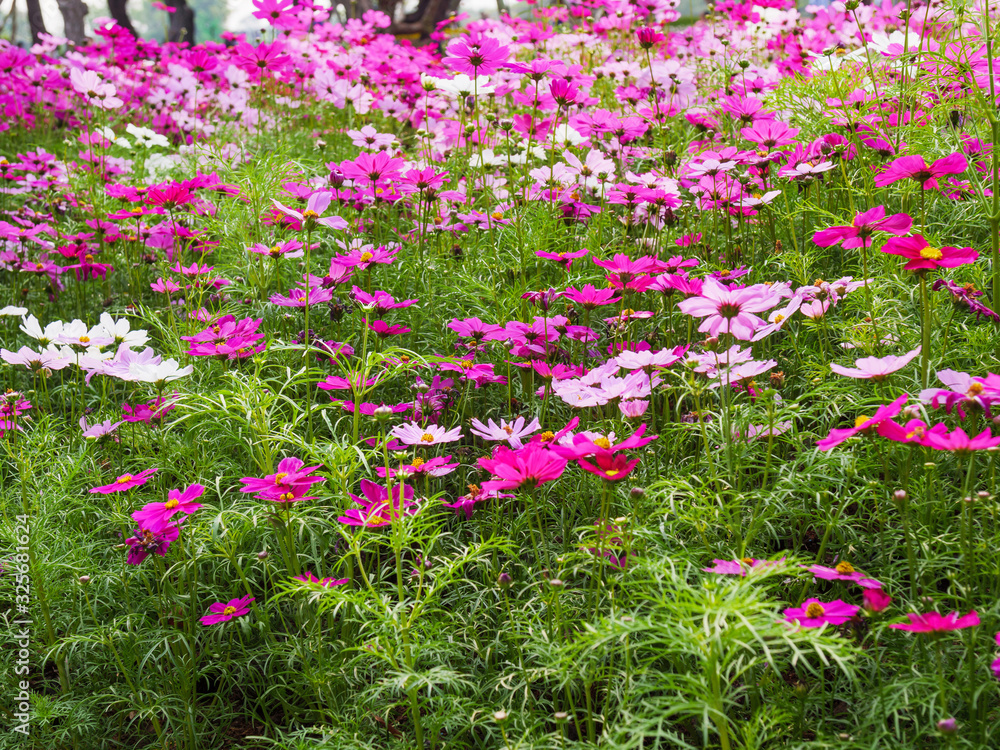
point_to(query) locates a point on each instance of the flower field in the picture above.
(585, 377)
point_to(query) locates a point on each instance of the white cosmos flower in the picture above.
(48, 335)
(120, 331)
(12, 310)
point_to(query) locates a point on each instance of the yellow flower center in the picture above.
(85, 339)
(547, 437)
(465, 364)
(603, 442)
(286, 497)
(778, 318)
(612, 472)
(88, 258)
(747, 561)
(496, 215)
(278, 478)
(228, 610)
(918, 432)
(426, 438)
(365, 257)
(309, 214)
(844, 568)
(818, 282)
(931, 253)
(508, 429)
(860, 421)
(171, 504)
(975, 389)
(814, 610)
(124, 479)
(417, 463)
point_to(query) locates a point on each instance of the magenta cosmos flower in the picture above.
(876, 368)
(125, 482)
(924, 257)
(326, 583)
(220, 612)
(933, 622)
(412, 433)
(814, 614)
(476, 57)
(876, 600)
(730, 310)
(958, 441)
(375, 508)
(844, 572)
(862, 423)
(531, 465)
(609, 467)
(156, 516)
(433, 467)
(860, 232)
(914, 167)
(289, 484)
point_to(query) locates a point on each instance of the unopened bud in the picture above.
(500, 716)
(84, 580)
(382, 413)
(947, 726)
(263, 555)
(504, 580)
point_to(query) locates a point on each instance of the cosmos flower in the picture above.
(376, 509)
(289, 484)
(220, 612)
(934, 622)
(730, 310)
(532, 466)
(512, 432)
(922, 257)
(146, 542)
(844, 572)
(326, 583)
(740, 567)
(814, 614)
(876, 368)
(413, 434)
(156, 516)
(125, 482)
(864, 226)
(862, 423)
(914, 167)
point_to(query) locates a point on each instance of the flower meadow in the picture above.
(583, 377)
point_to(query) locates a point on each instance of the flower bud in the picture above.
(262, 555)
(84, 580)
(504, 580)
(336, 178)
(500, 716)
(637, 492)
(947, 726)
(383, 413)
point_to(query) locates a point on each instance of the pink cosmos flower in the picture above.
(308, 577)
(610, 467)
(995, 666)
(372, 169)
(466, 503)
(313, 213)
(512, 432)
(933, 622)
(289, 249)
(302, 298)
(923, 257)
(476, 56)
(860, 232)
(916, 168)
(958, 441)
(770, 133)
(875, 600)
(99, 429)
(730, 310)
(876, 368)
(531, 465)
(412, 433)
(882, 414)
(156, 516)
(814, 614)
(585, 444)
(964, 391)
(289, 484)
(125, 482)
(378, 301)
(376, 509)
(843, 572)
(915, 431)
(220, 612)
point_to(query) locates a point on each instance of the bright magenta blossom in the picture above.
(308, 577)
(860, 232)
(958, 441)
(875, 368)
(933, 622)
(155, 516)
(531, 465)
(125, 482)
(923, 257)
(289, 484)
(730, 310)
(376, 509)
(220, 612)
(914, 167)
(862, 423)
(844, 572)
(609, 467)
(814, 614)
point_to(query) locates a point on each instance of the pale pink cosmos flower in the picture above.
(412, 433)
(730, 310)
(875, 368)
(315, 206)
(511, 432)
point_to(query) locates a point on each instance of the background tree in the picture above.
(120, 13)
(73, 13)
(181, 22)
(35, 20)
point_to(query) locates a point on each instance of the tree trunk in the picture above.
(73, 13)
(422, 21)
(181, 22)
(35, 20)
(120, 13)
